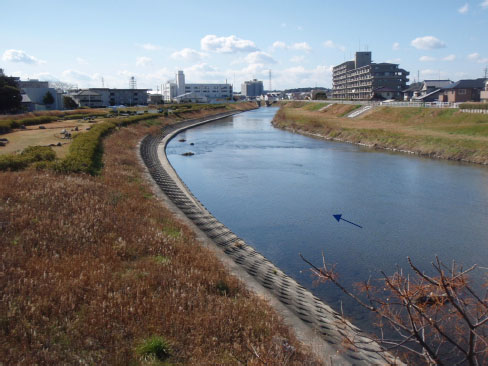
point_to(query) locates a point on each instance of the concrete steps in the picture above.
(359, 111)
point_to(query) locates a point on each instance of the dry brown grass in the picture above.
(90, 266)
(33, 136)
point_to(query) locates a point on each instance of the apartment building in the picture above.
(362, 79)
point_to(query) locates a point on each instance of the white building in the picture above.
(36, 90)
(174, 90)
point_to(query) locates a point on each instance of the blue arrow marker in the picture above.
(339, 218)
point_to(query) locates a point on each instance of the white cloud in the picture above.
(451, 57)
(427, 58)
(297, 59)
(476, 57)
(331, 44)
(230, 44)
(20, 56)
(149, 47)
(301, 46)
(484, 4)
(464, 9)
(188, 54)
(279, 44)
(396, 46)
(143, 61)
(427, 43)
(259, 57)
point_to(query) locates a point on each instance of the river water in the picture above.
(279, 191)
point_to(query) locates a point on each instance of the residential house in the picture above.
(484, 93)
(413, 89)
(468, 90)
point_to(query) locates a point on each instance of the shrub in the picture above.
(39, 153)
(85, 152)
(473, 106)
(5, 126)
(156, 347)
(30, 155)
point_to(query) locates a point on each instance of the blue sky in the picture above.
(81, 42)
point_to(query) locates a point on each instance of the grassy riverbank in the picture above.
(440, 133)
(95, 270)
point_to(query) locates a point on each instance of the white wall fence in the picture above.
(481, 111)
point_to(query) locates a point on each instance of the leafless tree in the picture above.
(432, 320)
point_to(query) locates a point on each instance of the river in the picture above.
(279, 191)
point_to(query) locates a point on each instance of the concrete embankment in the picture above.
(314, 322)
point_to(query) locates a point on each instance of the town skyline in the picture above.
(238, 42)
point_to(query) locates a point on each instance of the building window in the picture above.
(462, 91)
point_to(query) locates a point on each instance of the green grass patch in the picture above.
(349, 110)
(171, 231)
(477, 130)
(314, 106)
(160, 259)
(155, 347)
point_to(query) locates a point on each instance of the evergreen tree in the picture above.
(69, 103)
(10, 97)
(48, 99)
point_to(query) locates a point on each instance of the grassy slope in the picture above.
(92, 266)
(442, 133)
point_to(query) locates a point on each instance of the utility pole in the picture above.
(269, 75)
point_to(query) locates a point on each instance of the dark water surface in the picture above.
(278, 191)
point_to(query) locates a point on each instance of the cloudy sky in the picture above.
(215, 41)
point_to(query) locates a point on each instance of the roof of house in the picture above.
(87, 92)
(468, 84)
(425, 96)
(437, 83)
(413, 87)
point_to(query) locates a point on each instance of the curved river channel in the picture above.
(279, 191)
